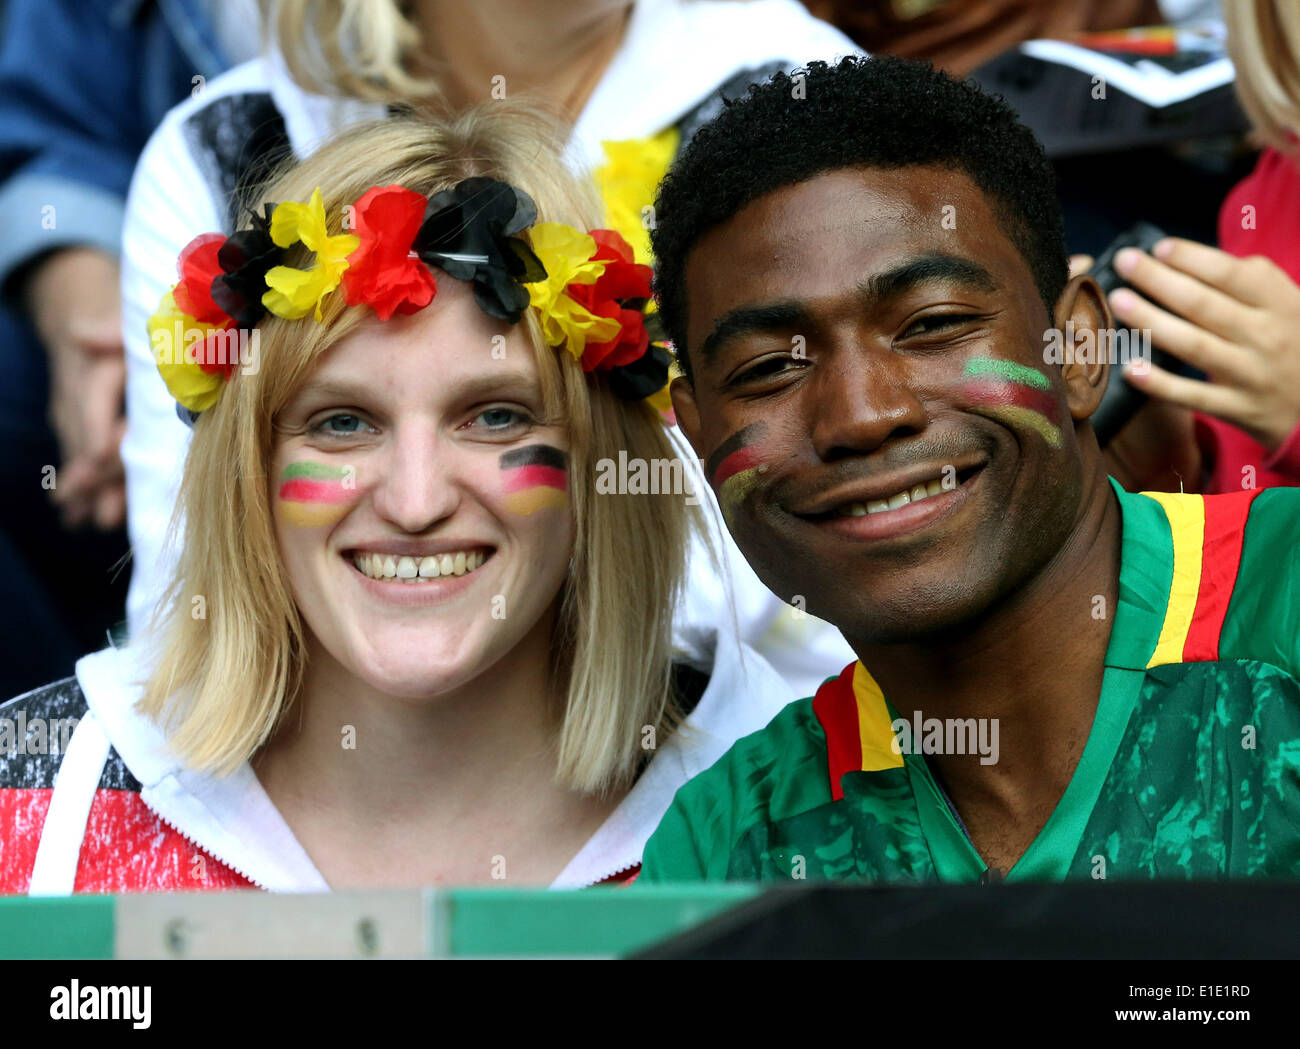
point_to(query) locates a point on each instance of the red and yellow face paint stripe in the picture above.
(736, 466)
(1015, 394)
(859, 733)
(313, 495)
(537, 478)
(1207, 538)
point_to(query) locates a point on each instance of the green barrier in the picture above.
(77, 927)
(606, 922)
(441, 923)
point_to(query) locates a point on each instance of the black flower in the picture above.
(244, 259)
(468, 233)
(645, 376)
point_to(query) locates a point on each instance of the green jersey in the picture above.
(1191, 769)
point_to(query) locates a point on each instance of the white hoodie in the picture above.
(233, 820)
(674, 57)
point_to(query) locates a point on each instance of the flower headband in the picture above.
(589, 293)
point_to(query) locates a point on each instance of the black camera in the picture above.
(1122, 399)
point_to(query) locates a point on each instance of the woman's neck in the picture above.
(389, 790)
(557, 50)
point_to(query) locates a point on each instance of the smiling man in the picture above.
(860, 267)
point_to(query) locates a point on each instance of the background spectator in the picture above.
(82, 84)
(1232, 315)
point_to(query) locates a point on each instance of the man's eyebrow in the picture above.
(748, 320)
(881, 287)
(876, 289)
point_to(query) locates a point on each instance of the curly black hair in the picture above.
(861, 112)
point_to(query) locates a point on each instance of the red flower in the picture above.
(219, 354)
(622, 280)
(381, 272)
(198, 266)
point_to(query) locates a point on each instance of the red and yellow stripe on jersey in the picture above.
(1208, 534)
(859, 732)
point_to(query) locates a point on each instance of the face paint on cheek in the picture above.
(313, 495)
(536, 478)
(1012, 393)
(736, 467)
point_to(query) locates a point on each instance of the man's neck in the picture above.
(1035, 664)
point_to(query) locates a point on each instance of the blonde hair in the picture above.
(224, 682)
(356, 48)
(1264, 43)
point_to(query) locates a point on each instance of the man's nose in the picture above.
(861, 399)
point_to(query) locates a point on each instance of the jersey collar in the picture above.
(1162, 604)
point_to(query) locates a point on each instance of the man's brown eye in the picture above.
(765, 368)
(937, 322)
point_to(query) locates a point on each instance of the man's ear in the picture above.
(686, 410)
(1083, 319)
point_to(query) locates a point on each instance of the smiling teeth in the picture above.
(908, 495)
(414, 569)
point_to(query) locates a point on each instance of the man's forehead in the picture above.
(827, 234)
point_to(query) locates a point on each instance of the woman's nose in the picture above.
(419, 485)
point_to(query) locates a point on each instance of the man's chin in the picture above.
(935, 617)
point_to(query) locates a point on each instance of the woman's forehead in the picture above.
(453, 346)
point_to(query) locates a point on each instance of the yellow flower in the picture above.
(628, 180)
(661, 402)
(566, 254)
(293, 292)
(177, 339)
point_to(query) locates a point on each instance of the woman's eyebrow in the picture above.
(495, 384)
(329, 389)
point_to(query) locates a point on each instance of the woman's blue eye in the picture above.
(499, 418)
(341, 424)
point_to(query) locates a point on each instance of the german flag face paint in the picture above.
(1015, 394)
(736, 467)
(537, 477)
(313, 495)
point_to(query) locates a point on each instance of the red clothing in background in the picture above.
(1273, 230)
(1273, 190)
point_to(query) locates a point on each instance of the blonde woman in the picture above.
(632, 79)
(407, 640)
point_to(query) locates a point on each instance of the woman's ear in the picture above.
(1083, 324)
